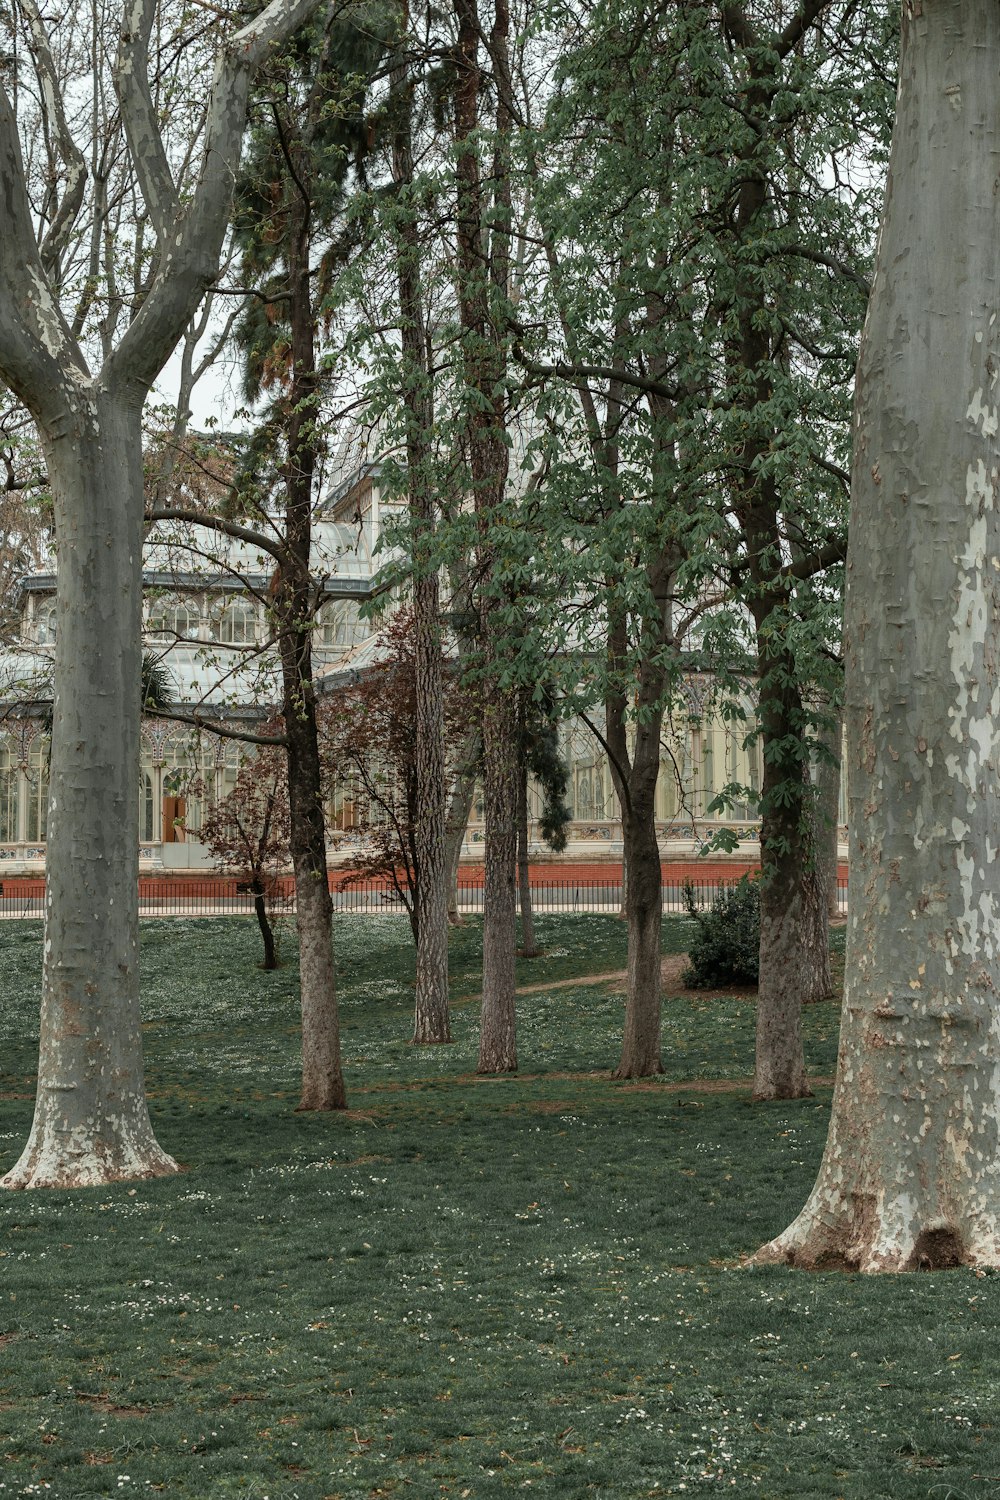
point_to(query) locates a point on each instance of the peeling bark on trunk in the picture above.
(909, 1176)
(91, 1122)
(529, 948)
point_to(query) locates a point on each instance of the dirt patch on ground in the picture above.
(543, 1106)
(567, 984)
(671, 969)
(704, 1085)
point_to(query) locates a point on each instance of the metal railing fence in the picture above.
(225, 896)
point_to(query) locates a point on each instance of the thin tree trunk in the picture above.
(640, 1056)
(529, 948)
(322, 1072)
(794, 946)
(483, 267)
(909, 1176)
(794, 962)
(264, 923)
(91, 1122)
(430, 1016)
(497, 1037)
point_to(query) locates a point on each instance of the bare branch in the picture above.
(220, 524)
(226, 732)
(574, 372)
(37, 350)
(69, 205)
(189, 261)
(143, 130)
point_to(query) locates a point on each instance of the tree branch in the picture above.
(834, 551)
(573, 372)
(832, 264)
(142, 129)
(178, 716)
(218, 523)
(189, 262)
(37, 349)
(70, 203)
(797, 27)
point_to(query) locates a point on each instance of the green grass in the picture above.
(466, 1287)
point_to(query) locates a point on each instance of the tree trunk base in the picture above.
(640, 1068)
(50, 1160)
(774, 1089)
(322, 1103)
(432, 1031)
(865, 1241)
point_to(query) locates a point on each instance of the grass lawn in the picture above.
(464, 1287)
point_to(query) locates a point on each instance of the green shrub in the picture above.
(727, 947)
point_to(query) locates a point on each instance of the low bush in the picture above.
(727, 947)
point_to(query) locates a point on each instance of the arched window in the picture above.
(145, 806)
(37, 812)
(8, 795)
(236, 624)
(173, 619)
(45, 625)
(339, 628)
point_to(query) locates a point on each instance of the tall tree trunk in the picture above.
(635, 770)
(431, 1017)
(91, 1122)
(497, 1036)
(322, 1073)
(643, 911)
(430, 915)
(909, 1176)
(483, 259)
(794, 946)
(529, 948)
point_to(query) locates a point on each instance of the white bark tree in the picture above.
(91, 1121)
(911, 1174)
